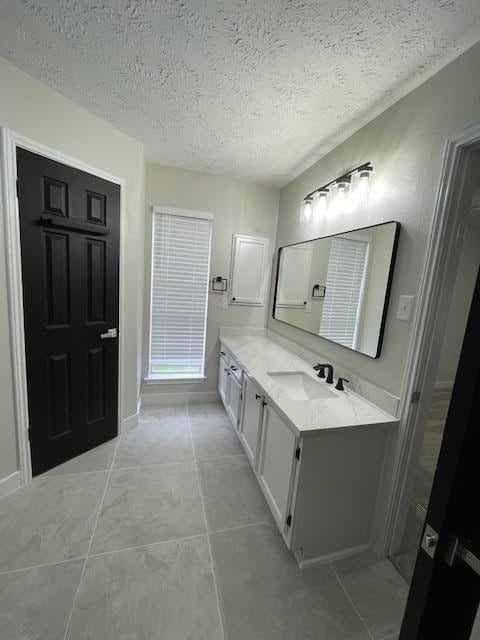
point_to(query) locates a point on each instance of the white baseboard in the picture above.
(130, 422)
(443, 385)
(10, 483)
(188, 397)
(337, 555)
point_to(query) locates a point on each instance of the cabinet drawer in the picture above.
(236, 369)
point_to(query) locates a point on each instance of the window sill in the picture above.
(174, 379)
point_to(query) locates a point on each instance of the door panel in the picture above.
(250, 425)
(276, 465)
(69, 228)
(96, 255)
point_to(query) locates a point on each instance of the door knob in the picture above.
(111, 333)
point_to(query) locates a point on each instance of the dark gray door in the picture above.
(69, 227)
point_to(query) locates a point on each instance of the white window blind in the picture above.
(345, 276)
(180, 272)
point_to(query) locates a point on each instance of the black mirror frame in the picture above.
(387, 289)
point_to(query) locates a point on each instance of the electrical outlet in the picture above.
(225, 302)
(405, 308)
(308, 307)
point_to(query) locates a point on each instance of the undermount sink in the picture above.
(300, 386)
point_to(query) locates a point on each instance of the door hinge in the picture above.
(297, 453)
(18, 188)
(289, 520)
(415, 397)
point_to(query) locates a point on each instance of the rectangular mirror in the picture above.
(338, 287)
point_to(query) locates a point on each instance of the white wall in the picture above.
(405, 145)
(238, 207)
(29, 107)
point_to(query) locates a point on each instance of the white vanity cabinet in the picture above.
(276, 466)
(322, 485)
(251, 422)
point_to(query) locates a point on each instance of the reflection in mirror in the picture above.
(337, 287)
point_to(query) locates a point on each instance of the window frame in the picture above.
(159, 379)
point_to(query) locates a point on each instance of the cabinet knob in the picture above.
(257, 396)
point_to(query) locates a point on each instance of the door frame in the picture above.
(428, 326)
(9, 141)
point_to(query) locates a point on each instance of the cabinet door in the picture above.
(250, 426)
(294, 279)
(276, 464)
(223, 380)
(234, 399)
(249, 271)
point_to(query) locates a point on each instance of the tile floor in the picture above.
(163, 534)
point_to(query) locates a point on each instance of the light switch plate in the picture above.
(308, 307)
(405, 308)
(224, 302)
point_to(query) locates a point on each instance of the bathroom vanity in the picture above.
(318, 453)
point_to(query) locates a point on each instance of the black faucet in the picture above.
(339, 384)
(321, 372)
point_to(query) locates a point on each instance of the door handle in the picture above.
(111, 333)
(456, 552)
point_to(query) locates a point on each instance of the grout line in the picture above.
(75, 597)
(242, 526)
(351, 601)
(47, 475)
(232, 455)
(203, 534)
(202, 500)
(41, 566)
(154, 464)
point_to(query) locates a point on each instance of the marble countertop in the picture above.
(258, 355)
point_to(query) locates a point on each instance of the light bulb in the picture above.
(307, 208)
(342, 191)
(321, 201)
(364, 181)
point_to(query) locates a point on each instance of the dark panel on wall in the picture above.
(96, 384)
(55, 196)
(95, 207)
(59, 389)
(96, 280)
(57, 279)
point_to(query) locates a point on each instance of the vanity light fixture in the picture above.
(320, 197)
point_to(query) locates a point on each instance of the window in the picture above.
(344, 287)
(180, 274)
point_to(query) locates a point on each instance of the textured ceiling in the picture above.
(255, 89)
